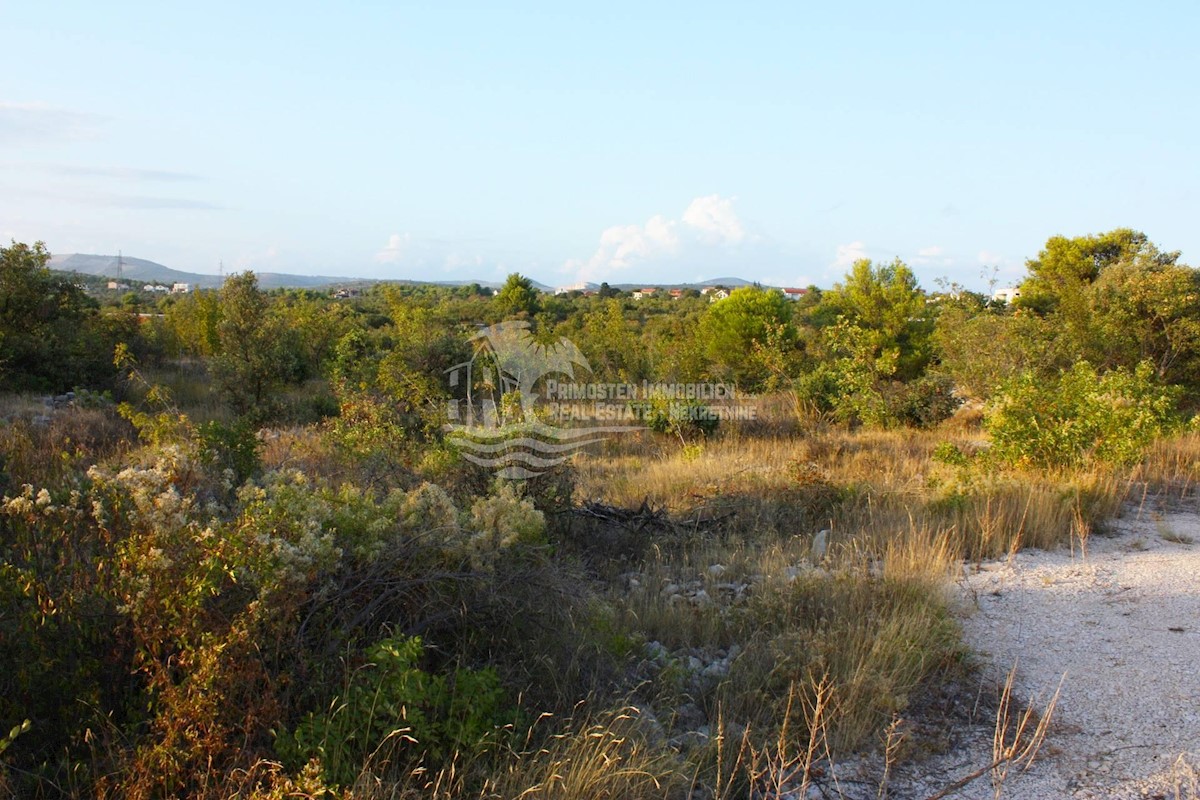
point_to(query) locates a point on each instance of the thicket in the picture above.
(257, 565)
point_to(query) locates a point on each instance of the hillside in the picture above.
(139, 269)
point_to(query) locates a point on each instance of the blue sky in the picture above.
(628, 142)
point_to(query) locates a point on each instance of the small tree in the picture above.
(252, 360)
(747, 333)
(517, 296)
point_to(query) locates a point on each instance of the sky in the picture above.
(621, 141)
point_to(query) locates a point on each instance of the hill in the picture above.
(139, 269)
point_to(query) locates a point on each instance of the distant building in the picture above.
(584, 287)
(1006, 294)
(114, 285)
(155, 287)
(794, 294)
(181, 288)
(716, 294)
(676, 294)
(649, 291)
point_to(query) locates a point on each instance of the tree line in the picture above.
(876, 348)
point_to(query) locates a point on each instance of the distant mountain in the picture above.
(729, 283)
(141, 270)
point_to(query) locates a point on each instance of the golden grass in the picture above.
(887, 484)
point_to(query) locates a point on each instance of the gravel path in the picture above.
(1122, 623)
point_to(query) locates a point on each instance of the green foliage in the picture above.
(516, 297)
(924, 402)
(253, 360)
(16, 731)
(849, 383)
(747, 333)
(1116, 300)
(231, 447)
(1065, 266)
(663, 414)
(51, 336)
(1080, 416)
(886, 303)
(394, 712)
(948, 453)
(614, 350)
(979, 349)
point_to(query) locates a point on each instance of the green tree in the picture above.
(192, 322)
(1116, 300)
(614, 351)
(1080, 416)
(517, 296)
(886, 301)
(252, 361)
(53, 338)
(1066, 266)
(979, 348)
(745, 332)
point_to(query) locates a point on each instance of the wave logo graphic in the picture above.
(494, 419)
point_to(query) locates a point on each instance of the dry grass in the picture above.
(1172, 465)
(872, 485)
(860, 637)
(41, 454)
(828, 654)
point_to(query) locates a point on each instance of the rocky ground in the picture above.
(1119, 627)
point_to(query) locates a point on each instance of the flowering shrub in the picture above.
(500, 521)
(198, 614)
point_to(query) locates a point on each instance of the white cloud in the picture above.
(418, 256)
(397, 245)
(715, 219)
(708, 230)
(847, 254)
(991, 259)
(256, 260)
(117, 173)
(932, 256)
(37, 123)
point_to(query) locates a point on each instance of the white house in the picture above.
(717, 294)
(181, 288)
(794, 294)
(649, 291)
(1006, 294)
(584, 287)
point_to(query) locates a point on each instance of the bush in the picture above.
(394, 709)
(677, 417)
(1080, 417)
(924, 402)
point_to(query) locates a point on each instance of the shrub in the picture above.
(949, 453)
(677, 417)
(233, 447)
(924, 402)
(393, 709)
(1080, 416)
(500, 521)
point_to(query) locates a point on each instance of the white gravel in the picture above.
(1122, 624)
